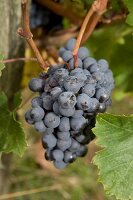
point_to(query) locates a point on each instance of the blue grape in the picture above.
(94, 105)
(83, 53)
(55, 92)
(37, 114)
(47, 102)
(61, 51)
(48, 155)
(103, 65)
(79, 63)
(36, 84)
(64, 124)
(67, 112)
(51, 120)
(102, 95)
(49, 140)
(40, 127)
(36, 101)
(69, 157)
(71, 44)
(88, 62)
(74, 146)
(57, 155)
(82, 151)
(64, 144)
(67, 100)
(73, 84)
(67, 55)
(28, 118)
(59, 164)
(94, 68)
(83, 101)
(89, 89)
(63, 135)
(78, 113)
(78, 123)
(56, 108)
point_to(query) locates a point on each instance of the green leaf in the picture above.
(17, 100)
(12, 136)
(129, 4)
(2, 66)
(115, 160)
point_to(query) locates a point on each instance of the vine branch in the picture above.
(96, 11)
(18, 59)
(26, 33)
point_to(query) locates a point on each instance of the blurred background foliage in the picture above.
(33, 177)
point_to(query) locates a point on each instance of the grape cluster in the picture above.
(68, 102)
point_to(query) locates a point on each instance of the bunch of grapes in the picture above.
(68, 102)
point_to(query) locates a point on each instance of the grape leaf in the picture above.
(2, 66)
(115, 161)
(129, 4)
(17, 100)
(12, 136)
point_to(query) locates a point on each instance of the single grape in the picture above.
(89, 89)
(82, 151)
(48, 155)
(61, 51)
(68, 112)
(59, 164)
(71, 44)
(74, 146)
(83, 101)
(88, 62)
(102, 108)
(94, 68)
(47, 102)
(102, 95)
(76, 71)
(79, 63)
(83, 53)
(69, 157)
(78, 123)
(73, 84)
(67, 100)
(67, 55)
(36, 101)
(36, 84)
(63, 135)
(55, 92)
(64, 124)
(49, 140)
(51, 120)
(78, 113)
(94, 105)
(64, 144)
(37, 114)
(103, 65)
(56, 108)
(40, 127)
(28, 118)
(57, 155)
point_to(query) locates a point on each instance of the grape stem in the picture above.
(18, 59)
(91, 19)
(26, 33)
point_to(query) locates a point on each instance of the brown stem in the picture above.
(18, 59)
(97, 8)
(90, 27)
(26, 33)
(60, 10)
